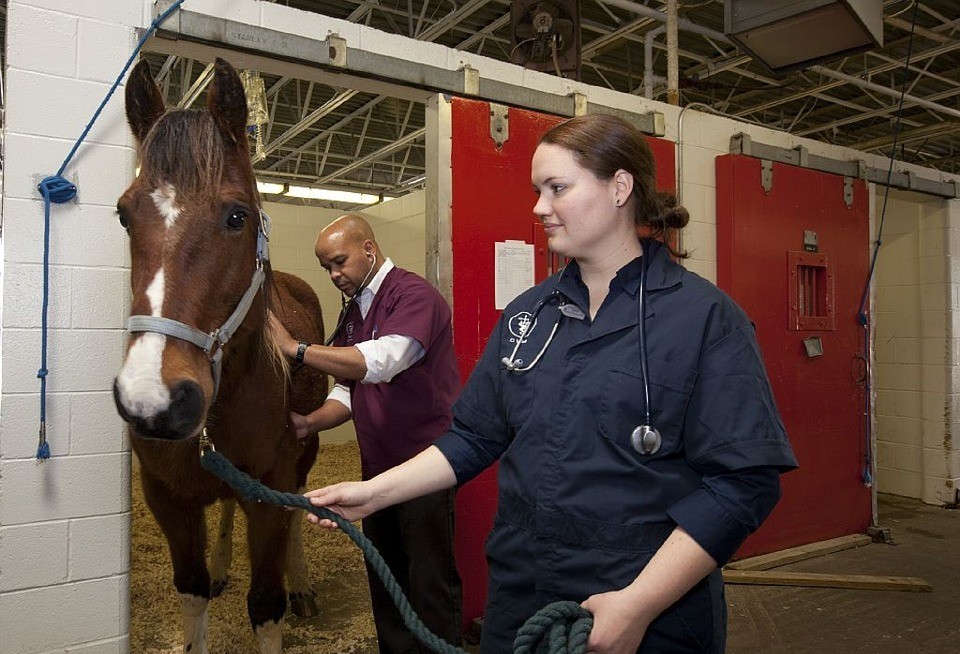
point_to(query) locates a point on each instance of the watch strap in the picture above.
(301, 350)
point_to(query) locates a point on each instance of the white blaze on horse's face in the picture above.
(140, 383)
(165, 198)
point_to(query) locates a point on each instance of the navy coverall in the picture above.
(579, 511)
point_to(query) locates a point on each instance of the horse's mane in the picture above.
(186, 149)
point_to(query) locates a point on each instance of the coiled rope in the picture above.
(558, 628)
(56, 189)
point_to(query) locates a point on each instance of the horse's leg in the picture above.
(186, 533)
(303, 598)
(222, 553)
(267, 527)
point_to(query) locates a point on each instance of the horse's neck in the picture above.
(247, 365)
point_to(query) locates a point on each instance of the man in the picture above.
(396, 374)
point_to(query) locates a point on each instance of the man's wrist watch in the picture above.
(301, 350)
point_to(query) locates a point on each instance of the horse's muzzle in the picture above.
(181, 419)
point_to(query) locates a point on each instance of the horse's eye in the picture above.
(236, 219)
(124, 221)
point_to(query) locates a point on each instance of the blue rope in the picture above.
(56, 189)
(862, 317)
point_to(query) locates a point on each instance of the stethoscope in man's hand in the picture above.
(645, 439)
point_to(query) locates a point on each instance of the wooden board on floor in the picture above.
(801, 553)
(824, 580)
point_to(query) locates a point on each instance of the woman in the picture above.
(627, 403)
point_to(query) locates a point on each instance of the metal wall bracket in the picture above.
(803, 156)
(855, 168)
(471, 80)
(337, 50)
(848, 191)
(766, 175)
(658, 123)
(740, 144)
(499, 123)
(579, 104)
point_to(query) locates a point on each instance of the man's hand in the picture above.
(301, 425)
(284, 340)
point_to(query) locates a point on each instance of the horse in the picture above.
(200, 364)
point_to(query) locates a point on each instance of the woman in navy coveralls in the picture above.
(636, 537)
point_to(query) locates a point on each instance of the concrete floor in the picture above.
(926, 544)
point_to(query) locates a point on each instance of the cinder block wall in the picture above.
(64, 524)
(915, 351)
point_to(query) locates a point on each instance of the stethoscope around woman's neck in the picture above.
(645, 439)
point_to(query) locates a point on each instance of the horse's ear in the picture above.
(143, 100)
(228, 102)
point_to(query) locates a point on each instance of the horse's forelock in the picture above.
(186, 149)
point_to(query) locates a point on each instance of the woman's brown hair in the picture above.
(605, 144)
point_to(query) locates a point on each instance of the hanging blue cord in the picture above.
(56, 189)
(863, 319)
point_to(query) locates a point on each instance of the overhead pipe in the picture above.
(673, 54)
(684, 24)
(649, 79)
(877, 88)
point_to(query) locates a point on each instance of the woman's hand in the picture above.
(351, 500)
(617, 626)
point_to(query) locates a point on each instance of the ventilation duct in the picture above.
(786, 35)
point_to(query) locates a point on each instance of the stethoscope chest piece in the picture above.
(646, 440)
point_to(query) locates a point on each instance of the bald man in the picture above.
(396, 374)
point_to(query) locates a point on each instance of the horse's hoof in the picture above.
(304, 605)
(217, 586)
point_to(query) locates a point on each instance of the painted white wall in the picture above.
(64, 524)
(916, 347)
(398, 226)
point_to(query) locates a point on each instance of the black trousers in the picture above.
(416, 540)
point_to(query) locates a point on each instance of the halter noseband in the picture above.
(212, 343)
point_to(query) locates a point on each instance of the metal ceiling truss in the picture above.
(323, 135)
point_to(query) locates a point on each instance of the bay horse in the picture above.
(200, 359)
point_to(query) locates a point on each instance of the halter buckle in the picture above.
(206, 443)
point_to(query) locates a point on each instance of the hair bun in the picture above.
(672, 214)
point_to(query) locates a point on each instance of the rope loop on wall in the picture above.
(56, 189)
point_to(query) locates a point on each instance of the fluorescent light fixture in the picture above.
(348, 197)
(414, 180)
(270, 188)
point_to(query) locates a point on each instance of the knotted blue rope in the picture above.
(558, 628)
(56, 189)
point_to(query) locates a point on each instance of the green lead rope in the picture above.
(558, 628)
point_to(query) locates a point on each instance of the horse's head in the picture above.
(194, 223)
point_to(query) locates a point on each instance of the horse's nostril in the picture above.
(186, 407)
